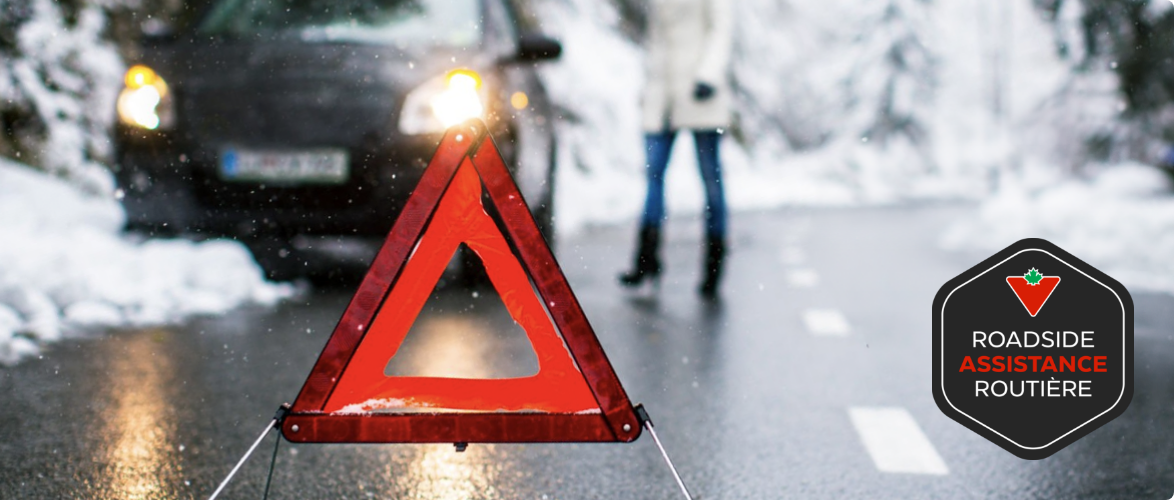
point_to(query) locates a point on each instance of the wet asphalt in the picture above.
(749, 403)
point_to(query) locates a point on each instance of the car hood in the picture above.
(286, 93)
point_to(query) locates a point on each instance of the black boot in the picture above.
(647, 262)
(715, 253)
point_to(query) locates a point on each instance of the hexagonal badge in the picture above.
(1032, 349)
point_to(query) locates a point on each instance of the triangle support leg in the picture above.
(278, 418)
(646, 421)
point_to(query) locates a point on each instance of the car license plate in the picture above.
(310, 166)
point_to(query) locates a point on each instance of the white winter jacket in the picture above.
(688, 42)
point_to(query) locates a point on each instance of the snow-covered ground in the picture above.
(66, 269)
(1121, 220)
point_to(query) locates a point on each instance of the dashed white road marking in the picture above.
(895, 442)
(802, 278)
(826, 322)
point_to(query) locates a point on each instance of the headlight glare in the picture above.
(443, 102)
(145, 101)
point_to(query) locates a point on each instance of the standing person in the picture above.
(686, 88)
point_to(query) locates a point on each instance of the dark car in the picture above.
(293, 124)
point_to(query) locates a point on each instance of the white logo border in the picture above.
(942, 333)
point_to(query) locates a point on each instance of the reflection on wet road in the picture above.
(139, 429)
(459, 336)
(796, 385)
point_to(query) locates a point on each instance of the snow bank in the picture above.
(1121, 221)
(595, 84)
(64, 267)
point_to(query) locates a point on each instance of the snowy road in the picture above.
(810, 380)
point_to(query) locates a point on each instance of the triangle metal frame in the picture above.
(617, 420)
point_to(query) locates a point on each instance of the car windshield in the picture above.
(437, 22)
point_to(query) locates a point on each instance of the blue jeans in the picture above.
(658, 146)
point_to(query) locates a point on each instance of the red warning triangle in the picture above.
(575, 396)
(1033, 296)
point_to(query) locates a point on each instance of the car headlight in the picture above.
(145, 101)
(442, 102)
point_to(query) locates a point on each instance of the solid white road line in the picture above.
(802, 278)
(895, 441)
(826, 322)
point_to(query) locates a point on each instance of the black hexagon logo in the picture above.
(1033, 349)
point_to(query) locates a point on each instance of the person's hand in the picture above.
(703, 91)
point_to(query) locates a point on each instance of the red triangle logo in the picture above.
(575, 396)
(1033, 296)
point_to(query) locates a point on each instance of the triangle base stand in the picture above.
(279, 417)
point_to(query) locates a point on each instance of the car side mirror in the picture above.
(534, 47)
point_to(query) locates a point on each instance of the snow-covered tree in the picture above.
(59, 78)
(890, 89)
(1122, 80)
